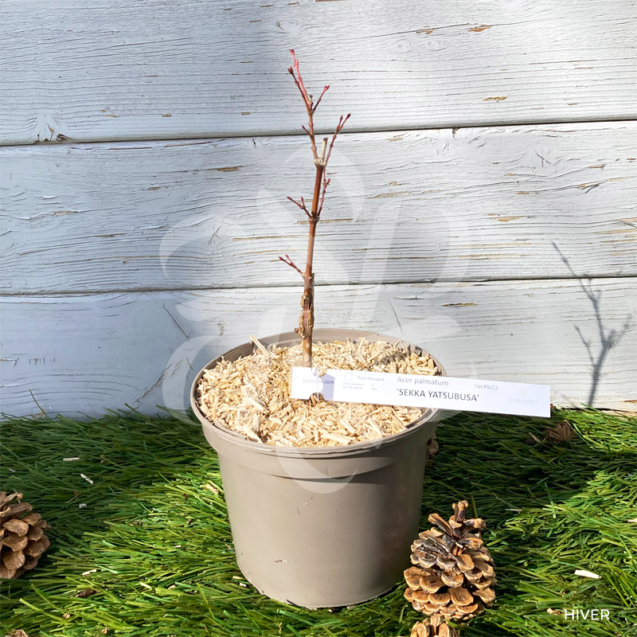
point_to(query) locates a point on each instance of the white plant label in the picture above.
(410, 390)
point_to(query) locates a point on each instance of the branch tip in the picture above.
(291, 263)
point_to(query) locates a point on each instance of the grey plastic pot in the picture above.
(322, 527)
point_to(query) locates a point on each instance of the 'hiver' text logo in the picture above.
(595, 614)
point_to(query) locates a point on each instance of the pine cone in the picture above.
(434, 627)
(22, 539)
(453, 573)
(562, 432)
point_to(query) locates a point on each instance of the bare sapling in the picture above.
(321, 182)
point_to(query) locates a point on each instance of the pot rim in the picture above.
(315, 452)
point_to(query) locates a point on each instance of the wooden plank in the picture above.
(88, 353)
(115, 69)
(474, 204)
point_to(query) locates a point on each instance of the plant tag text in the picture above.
(409, 390)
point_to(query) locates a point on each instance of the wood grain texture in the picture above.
(86, 353)
(475, 204)
(115, 69)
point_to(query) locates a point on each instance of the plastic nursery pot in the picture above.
(322, 527)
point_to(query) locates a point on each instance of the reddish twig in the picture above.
(318, 101)
(301, 205)
(307, 98)
(321, 182)
(326, 181)
(291, 263)
(339, 127)
(298, 79)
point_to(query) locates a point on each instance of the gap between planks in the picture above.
(68, 141)
(31, 294)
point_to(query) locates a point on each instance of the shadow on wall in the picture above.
(608, 338)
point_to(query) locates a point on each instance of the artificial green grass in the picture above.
(154, 541)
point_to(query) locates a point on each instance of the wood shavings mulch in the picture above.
(251, 395)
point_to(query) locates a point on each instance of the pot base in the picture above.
(291, 602)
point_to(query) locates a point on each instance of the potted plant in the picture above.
(323, 498)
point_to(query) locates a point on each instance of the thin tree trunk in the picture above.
(306, 320)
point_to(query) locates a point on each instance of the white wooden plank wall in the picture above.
(140, 348)
(115, 69)
(482, 204)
